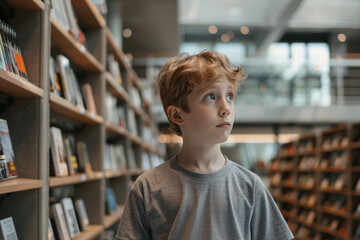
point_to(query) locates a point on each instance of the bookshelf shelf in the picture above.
(19, 184)
(110, 220)
(117, 52)
(88, 14)
(92, 232)
(113, 129)
(64, 107)
(76, 52)
(18, 87)
(74, 179)
(116, 89)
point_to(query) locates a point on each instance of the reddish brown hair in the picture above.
(183, 73)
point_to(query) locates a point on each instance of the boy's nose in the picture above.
(224, 109)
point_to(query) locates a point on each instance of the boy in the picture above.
(199, 193)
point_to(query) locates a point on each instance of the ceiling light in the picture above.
(244, 30)
(231, 34)
(341, 37)
(225, 37)
(212, 29)
(127, 32)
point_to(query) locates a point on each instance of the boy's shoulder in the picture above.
(154, 176)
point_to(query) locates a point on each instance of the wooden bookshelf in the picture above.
(19, 184)
(36, 109)
(16, 86)
(331, 154)
(74, 50)
(64, 107)
(88, 14)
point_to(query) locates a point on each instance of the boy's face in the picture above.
(211, 115)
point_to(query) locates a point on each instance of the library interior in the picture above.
(81, 117)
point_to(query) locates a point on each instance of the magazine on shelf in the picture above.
(58, 152)
(71, 159)
(70, 216)
(7, 157)
(82, 214)
(110, 200)
(60, 221)
(83, 157)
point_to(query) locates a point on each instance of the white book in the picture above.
(69, 212)
(60, 221)
(7, 229)
(58, 152)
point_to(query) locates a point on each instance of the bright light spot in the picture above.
(341, 37)
(244, 30)
(225, 37)
(212, 29)
(127, 32)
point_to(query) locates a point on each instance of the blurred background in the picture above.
(302, 58)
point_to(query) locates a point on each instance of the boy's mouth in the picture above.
(224, 124)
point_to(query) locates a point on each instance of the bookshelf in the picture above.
(33, 109)
(314, 181)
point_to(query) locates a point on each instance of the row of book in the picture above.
(11, 58)
(336, 140)
(66, 220)
(115, 158)
(306, 146)
(63, 12)
(334, 181)
(68, 157)
(113, 67)
(337, 159)
(64, 83)
(8, 167)
(115, 112)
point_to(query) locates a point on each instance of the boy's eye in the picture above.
(230, 97)
(210, 97)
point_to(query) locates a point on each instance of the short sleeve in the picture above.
(133, 224)
(267, 221)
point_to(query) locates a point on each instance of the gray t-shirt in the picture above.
(171, 202)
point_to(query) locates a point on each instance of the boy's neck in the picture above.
(201, 160)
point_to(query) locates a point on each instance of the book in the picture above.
(7, 229)
(69, 212)
(71, 161)
(82, 214)
(7, 157)
(110, 201)
(114, 68)
(51, 235)
(73, 26)
(53, 78)
(83, 156)
(66, 78)
(58, 152)
(60, 222)
(89, 97)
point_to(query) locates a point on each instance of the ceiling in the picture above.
(268, 20)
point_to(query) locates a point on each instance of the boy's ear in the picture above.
(174, 114)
